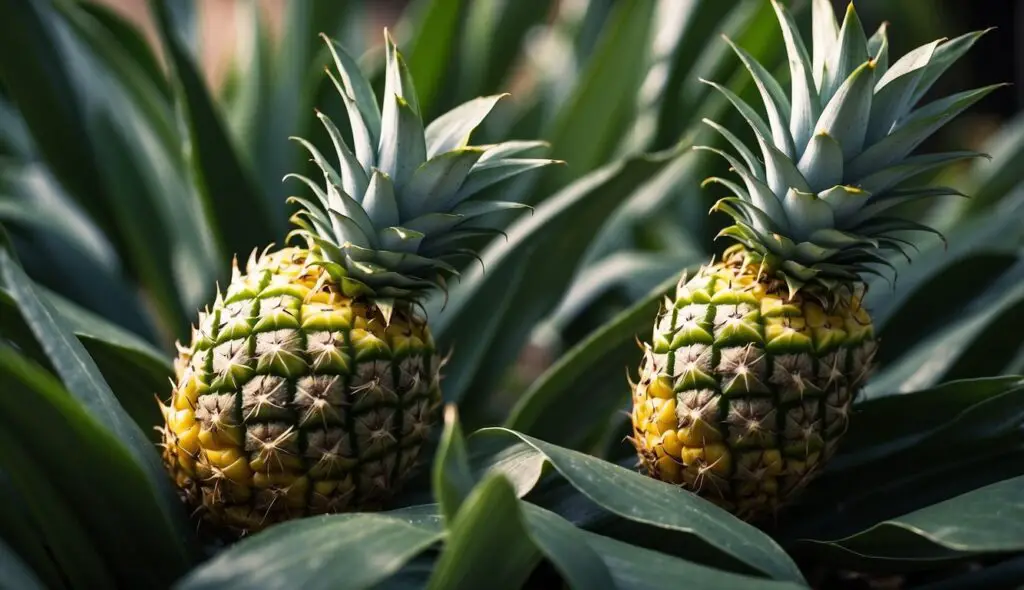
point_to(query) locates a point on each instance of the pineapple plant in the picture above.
(312, 382)
(90, 311)
(746, 387)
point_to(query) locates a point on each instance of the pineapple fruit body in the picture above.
(293, 399)
(744, 392)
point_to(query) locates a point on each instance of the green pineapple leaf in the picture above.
(488, 523)
(453, 481)
(359, 549)
(647, 501)
(84, 382)
(17, 573)
(220, 175)
(130, 522)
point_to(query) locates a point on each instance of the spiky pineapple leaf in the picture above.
(650, 502)
(430, 50)
(489, 523)
(37, 79)
(976, 341)
(15, 572)
(66, 541)
(130, 522)
(539, 410)
(318, 553)
(453, 481)
(93, 396)
(20, 530)
(492, 41)
(238, 208)
(968, 436)
(983, 521)
(606, 92)
(472, 317)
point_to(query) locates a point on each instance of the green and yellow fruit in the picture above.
(313, 381)
(746, 388)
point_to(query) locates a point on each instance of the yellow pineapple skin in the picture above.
(744, 392)
(293, 399)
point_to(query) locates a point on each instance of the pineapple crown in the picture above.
(835, 153)
(396, 211)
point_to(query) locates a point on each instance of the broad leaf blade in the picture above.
(239, 211)
(651, 502)
(453, 481)
(35, 74)
(606, 92)
(489, 523)
(317, 553)
(558, 228)
(15, 572)
(982, 522)
(431, 50)
(81, 376)
(541, 409)
(126, 523)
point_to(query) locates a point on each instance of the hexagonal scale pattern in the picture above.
(743, 392)
(293, 399)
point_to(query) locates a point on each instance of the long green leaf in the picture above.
(984, 521)
(351, 551)
(651, 502)
(15, 573)
(285, 98)
(993, 317)
(36, 76)
(492, 41)
(453, 481)
(538, 410)
(133, 369)
(53, 517)
(431, 50)
(639, 568)
(82, 379)
(132, 40)
(557, 230)
(488, 524)
(127, 60)
(24, 535)
(234, 202)
(969, 436)
(605, 92)
(126, 523)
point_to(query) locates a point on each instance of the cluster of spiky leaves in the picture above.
(392, 216)
(835, 153)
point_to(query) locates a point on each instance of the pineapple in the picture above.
(312, 382)
(746, 388)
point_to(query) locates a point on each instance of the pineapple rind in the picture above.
(293, 399)
(744, 393)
